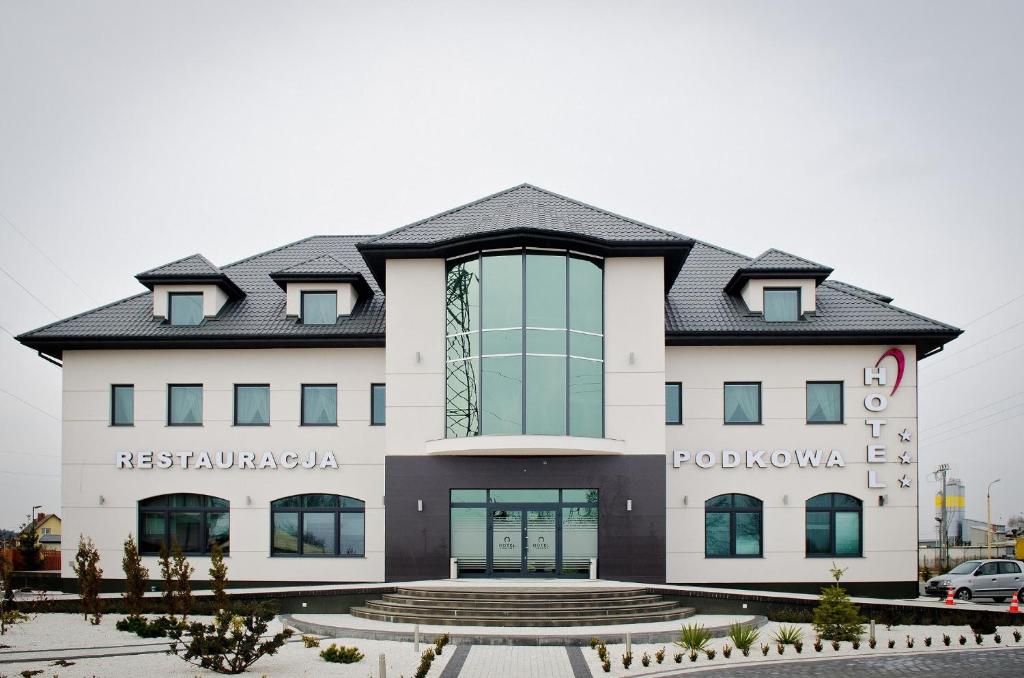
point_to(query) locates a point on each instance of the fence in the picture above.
(51, 559)
(928, 557)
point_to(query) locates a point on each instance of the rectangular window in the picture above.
(319, 404)
(824, 402)
(122, 405)
(184, 404)
(378, 405)
(252, 404)
(185, 308)
(673, 403)
(319, 308)
(781, 305)
(742, 403)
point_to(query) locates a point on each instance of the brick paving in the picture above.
(507, 661)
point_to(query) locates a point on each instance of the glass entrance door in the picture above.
(506, 541)
(541, 543)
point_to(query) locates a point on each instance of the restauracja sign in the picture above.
(225, 459)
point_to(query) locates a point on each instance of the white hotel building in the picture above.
(551, 384)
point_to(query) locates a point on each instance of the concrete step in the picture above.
(489, 618)
(555, 610)
(524, 593)
(520, 602)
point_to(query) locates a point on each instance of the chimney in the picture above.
(40, 517)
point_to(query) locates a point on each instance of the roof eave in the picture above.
(221, 280)
(355, 279)
(742, 275)
(926, 341)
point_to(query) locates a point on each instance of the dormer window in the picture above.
(185, 308)
(781, 304)
(319, 308)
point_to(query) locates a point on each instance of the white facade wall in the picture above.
(90, 445)
(889, 531)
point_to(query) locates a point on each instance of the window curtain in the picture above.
(124, 405)
(847, 533)
(187, 405)
(321, 405)
(780, 305)
(741, 403)
(253, 405)
(823, 402)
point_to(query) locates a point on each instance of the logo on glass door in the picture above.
(540, 544)
(507, 544)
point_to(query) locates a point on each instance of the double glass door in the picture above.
(523, 541)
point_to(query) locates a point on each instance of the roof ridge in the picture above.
(788, 254)
(178, 261)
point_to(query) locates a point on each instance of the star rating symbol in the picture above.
(905, 458)
(904, 480)
(906, 435)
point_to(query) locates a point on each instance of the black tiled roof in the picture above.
(777, 260)
(192, 265)
(698, 309)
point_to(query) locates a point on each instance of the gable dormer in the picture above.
(189, 290)
(320, 290)
(778, 285)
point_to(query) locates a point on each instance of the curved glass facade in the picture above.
(525, 344)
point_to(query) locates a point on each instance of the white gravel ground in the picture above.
(67, 635)
(882, 634)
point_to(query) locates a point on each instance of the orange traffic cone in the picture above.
(949, 596)
(1014, 607)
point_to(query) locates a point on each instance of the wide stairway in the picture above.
(522, 606)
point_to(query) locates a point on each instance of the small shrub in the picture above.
(836, 617)
(709, 653)
(892, 643)
(219, 577)
(426, 659)
(745, 651)
(978, 638)
(946, 640)
(606, 665)
(694, 637)
(341, 654)
(678, 657)
(659, 656)
(182, 572)
(788, 634)
(89, 573)
(602, 652)
(962, 640)
(310, 641)
(983, 624)
(145, 628)
(232, 643)
(743, 636)
(167, 576)
(594, 642)
(440, 642)
(798, 646)
(1016, 636)
(135, 576)
(780, 648)
(726, 651)
(764, 649)
(9, 613)
(872, 642)
(693, 655)
(855, 645)
(645, 659)
(997, 638)
(835, 645)
(818, 646)
(928, 641)
(627, 659)
(910, 642)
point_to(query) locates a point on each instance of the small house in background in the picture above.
(47, 526)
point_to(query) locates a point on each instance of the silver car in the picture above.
(996, 579)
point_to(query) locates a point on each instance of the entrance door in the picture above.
(541, 543)
(506, 541)
(524, 541)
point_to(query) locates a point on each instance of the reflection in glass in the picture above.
(716, 534)
(318, 534)
(586, 396)
(819, 537)
(545, 395)
(353, 533)
(524, 496)
(545, 290)
(502, 407)
(285, 527)
(503, 291)
(185, 528)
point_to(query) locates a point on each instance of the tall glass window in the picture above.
(252, 404)
(673, 403)
(122, 405)
(742, 402)
(378, 405)
(781, 305)
(834, 525)
(184, 404)
(185, 308)
(319, 404)
(525, 345)
(317, 525)
(824, 402)
(732, 526)
(192, 521)
(319, 308)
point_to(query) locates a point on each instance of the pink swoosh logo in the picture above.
(901, 362)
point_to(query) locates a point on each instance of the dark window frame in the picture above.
(170, 307)
(171, 387)
(234, 415)
(842, 403)
(760, 403)
(167, 510)
(832, 510)
(302, 306)
(679, 385)
(732, 511)
(113, 418)
(300, 524)
(799, 303)
(374, 422)
(302, 404)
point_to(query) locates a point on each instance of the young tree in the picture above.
(29, 548)
(135, 577)
(167, 575)
(9, 613)
(218, 577)
(183, 571)
(86, 567)
(836, 617)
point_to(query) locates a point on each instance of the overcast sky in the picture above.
(881, 138)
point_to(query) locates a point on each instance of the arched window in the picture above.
(732, 526)
(317, 525)
(834, 526)
(192, 521)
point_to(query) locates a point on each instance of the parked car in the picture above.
(996, 579)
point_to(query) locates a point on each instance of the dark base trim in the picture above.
(868, 589)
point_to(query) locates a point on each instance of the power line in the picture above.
(983, 407)
(47, 257)
(54, 313)
(25, 402)
(973, 365)
(974, 345)
(974, 430)
(979, 419)
(1000, 306)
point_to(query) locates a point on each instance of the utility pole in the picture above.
(941, 472)
(988, 498)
